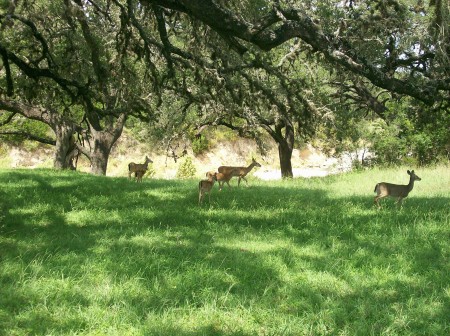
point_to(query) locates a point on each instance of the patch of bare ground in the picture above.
(40, 157)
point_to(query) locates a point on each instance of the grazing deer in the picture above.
(241, 172)
(135, 167)
(205, 186)
(384, 189)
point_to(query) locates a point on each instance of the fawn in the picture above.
(205, 186)
(220, 177)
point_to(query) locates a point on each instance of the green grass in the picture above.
(87, 255)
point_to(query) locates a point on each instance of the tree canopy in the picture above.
(283, 67)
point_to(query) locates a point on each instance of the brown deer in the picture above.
(135, 167)
(139, 174)
(205, 186)
(210, 174)
(384, 189)
(220, 177)
(241, 172)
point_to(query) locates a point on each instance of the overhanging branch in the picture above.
(29, 136)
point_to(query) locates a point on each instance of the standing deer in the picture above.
(135, 167)
(139, 174)
(220, 177)
(241, 172)
(205, 186)
(384, 189)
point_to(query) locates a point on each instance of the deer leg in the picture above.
(376, 201)
(243, 178)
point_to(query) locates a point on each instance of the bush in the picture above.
(186, 169)
(199, 145)
(150, 171)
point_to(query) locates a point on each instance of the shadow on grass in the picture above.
(292, 251)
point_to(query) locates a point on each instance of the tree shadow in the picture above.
(181, 255)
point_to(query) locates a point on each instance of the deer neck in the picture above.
(410, 184)
(249, 167)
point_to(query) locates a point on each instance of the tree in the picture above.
(74, 53)
(367, 45)
(249, 65)
(407, 68)
(64, 129)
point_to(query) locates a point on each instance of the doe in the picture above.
(205, 186)
(399, 191)
(135, 167)
(240, 172)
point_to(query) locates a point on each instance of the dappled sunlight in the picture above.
(294, 251)
(91, 218)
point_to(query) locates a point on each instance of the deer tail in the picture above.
(376, 186)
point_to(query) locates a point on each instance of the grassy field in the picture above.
(87, 255)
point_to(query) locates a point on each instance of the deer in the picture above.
(210, 174)
(205, 186)
(399, 191)
(220, 177)
(139, 174)
(240, 172)
(135, 167)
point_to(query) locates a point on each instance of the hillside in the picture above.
(306, 162)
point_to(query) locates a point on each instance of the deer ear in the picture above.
(409, 173)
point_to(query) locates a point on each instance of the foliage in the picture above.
(388, 147)
(281, 68)
(199, 145)
(186, 169)
(18, 131)
(150, 171)
(100, 255)
(404, 133)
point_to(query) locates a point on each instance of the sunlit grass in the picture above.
(86, 255)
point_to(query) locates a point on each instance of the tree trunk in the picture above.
(100, 155)
(64, 146)
(285, 147)
(285, 155)
(103, 140)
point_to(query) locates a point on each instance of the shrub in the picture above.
(199, 145)
(186, 169)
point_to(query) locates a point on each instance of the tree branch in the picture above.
(29, 136)
(273, 30)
